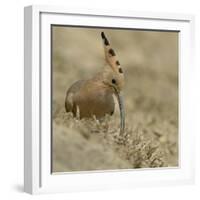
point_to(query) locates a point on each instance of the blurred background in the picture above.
(150, 63)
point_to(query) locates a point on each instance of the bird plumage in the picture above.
(91, 97)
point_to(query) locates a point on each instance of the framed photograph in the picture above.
(107, 99)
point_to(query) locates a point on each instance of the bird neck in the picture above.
(98, 79)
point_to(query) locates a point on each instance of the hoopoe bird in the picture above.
(95, 96)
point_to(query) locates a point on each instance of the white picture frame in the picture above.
(37, 137)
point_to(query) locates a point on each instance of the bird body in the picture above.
(95, 96)
(89, 98)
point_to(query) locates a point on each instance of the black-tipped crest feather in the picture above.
(105, 39)
(111, 52)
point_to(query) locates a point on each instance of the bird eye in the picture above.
(113, 81)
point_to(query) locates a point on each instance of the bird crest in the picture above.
(115, 76)
(110, 55)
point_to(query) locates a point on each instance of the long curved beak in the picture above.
(122, 111)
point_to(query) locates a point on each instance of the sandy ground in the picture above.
(150, 63)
